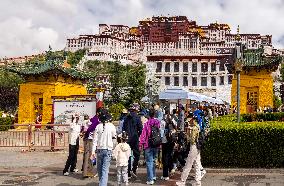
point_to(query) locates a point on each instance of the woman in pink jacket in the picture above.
(150, 131)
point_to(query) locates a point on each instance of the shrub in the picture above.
(254, 144)
(5, 123)
(116, 110)
(276, 116)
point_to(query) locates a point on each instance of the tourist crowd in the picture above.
(168, 139)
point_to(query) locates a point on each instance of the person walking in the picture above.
(150, 140)
(122, 154)
(87, 166)
(133, 127)
(104, 134)
(193, 157)
(181, 117)
(74, 133)
(167, 144)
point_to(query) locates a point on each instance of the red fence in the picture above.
(30, 137)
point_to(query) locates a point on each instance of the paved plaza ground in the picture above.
(45, 168)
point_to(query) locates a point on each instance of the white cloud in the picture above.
(29, 26)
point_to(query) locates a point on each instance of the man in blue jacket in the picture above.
(133, 127)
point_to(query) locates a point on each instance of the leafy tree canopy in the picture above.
(9, 90)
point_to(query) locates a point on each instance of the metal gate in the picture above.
(29, 136)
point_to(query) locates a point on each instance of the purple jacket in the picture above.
(146, 132)
(95, 121)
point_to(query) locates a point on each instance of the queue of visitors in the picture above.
(176, 137)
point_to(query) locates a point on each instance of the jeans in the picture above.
(72, 157)
(151, 155)
(103, 163)
(122, 175)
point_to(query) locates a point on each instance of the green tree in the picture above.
(9, 90)
(136, 83)
(276, 101)
(74, 58)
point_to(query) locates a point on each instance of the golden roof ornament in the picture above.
(238, 36)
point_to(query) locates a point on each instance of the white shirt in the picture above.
(122, 153)
(74, 132)
(103, 137)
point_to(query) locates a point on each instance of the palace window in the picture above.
(213, 67)
(176, 81)
(159, 67)
(167, 81)
(185, 67)
(185, 81)
(176, 67)
(213, 81)
(194, 81)
(230, 77)
(204, 67)
(194, 67)
(221, 80)
(222, 67)
(203, 81)
(167, 67)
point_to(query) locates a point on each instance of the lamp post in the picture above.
(238, 68)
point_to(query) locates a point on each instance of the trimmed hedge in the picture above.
(276, 116)
(254, 144)
(5, 123)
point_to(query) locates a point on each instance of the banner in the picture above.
(63, 111)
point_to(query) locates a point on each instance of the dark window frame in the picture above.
(185, 67)
(194, 81)
(221, 82)
(213, 67)
(185, 81)
(176, 66)
(204, 83)
(213, 83)
(204, 67)
(176, 81)
(159, 67)
(167, 80)
(222, 67)
(194, 67)
(167, 67)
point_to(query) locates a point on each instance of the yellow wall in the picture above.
(262, 80)
(26, 109)
(26, 112)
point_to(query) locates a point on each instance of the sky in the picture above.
(29, 26)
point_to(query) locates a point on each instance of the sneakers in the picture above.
(150, 182)
(154, 178)
(165, 178)
(173, 170)
(66, 173)
(180, 183)
(203, 172)
(75, 170)
(133, 174)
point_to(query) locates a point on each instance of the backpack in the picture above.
(155, 138)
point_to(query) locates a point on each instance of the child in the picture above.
(122, 153)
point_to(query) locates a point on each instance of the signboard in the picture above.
(64, 109)
(224, 50)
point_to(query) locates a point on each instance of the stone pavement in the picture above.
(45, 168)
